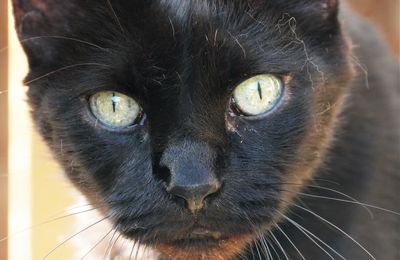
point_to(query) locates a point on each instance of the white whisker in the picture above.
(98, 242)
(279, 245)
(65, 68)
(337, 228)
(308, 234)
(290, 241)
(47, 222)
(108, 249)
(72, 236)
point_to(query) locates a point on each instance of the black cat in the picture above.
(211, 129)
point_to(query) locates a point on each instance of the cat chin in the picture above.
(121, 248)
(124, 249)
(223, 249)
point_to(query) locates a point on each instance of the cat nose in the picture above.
(194, 195)
(191, 170)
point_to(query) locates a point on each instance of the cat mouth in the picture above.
(199, 237)
(204, 244)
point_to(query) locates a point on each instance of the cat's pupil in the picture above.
(259, 90)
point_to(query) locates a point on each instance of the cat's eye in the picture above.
(114, 109)
(257, 95)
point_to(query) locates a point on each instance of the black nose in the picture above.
(191, 168)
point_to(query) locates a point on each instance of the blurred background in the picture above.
(32, 187)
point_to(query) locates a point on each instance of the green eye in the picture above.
(114, 109)
(258, 95)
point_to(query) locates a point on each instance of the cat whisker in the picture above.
(47, 222)
(137, 251)
(351, 200)
(308, 234)
(279, 245)
(335, 227)
(110, 243)
(269, 244)
(144, 251)
(65, 68)
(327, 181)
(264, 245)
(72, 236)
(112, 246)
(290, 241)
(133, 248)
(63, 38)
(256, 243)
(252, 252)
(57, 37)
(97, 244)
(365, 206)
(115, 16)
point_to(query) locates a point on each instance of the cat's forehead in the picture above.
(217, 38)
(211, 13)
(184, 10)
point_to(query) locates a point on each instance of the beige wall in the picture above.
(3, 128)
(37, 191)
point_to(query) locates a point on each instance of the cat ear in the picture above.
(318, 16)
(325, 9)
(36, 19)
(318, 11)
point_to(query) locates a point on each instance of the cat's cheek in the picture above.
(315, 145)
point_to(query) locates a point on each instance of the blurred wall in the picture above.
(385, 14)
(3, 127)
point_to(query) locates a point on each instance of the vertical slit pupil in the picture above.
(259, 90)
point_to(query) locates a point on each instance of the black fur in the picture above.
(181, 61)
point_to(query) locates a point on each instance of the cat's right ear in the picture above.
(35, 20)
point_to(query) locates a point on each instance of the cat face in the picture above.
(190, 124)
